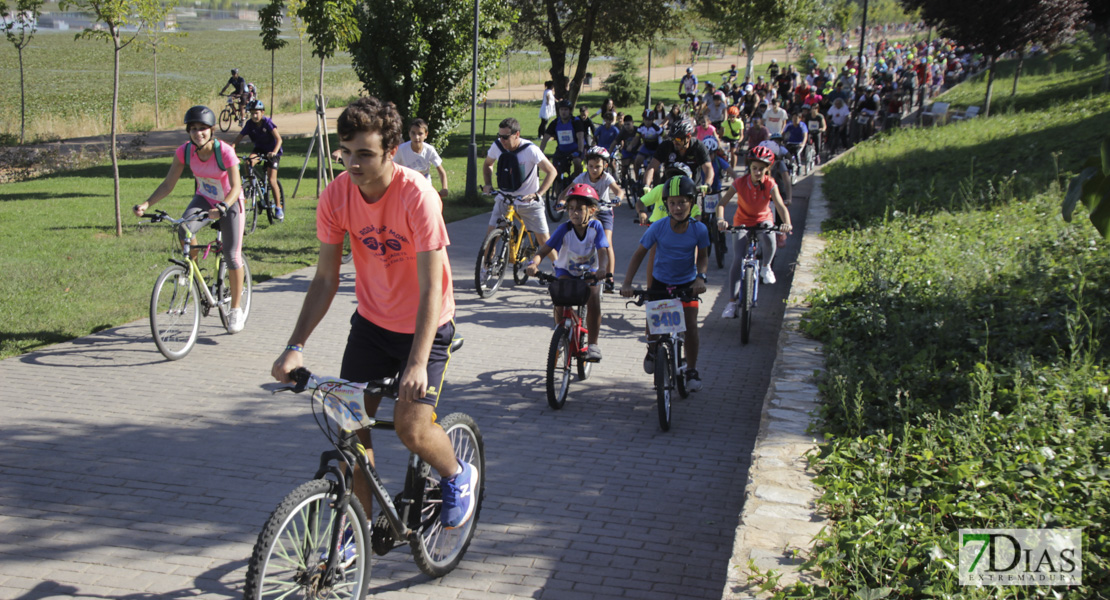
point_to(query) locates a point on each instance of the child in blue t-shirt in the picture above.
(582, 251)
(267, 142)
(681, 261)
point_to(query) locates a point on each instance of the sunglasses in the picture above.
(504, 137)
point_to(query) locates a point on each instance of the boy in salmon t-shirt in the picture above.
(403, 286)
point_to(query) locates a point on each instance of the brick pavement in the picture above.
(126, 476)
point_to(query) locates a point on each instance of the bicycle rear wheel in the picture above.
(558, 368)
(747, 292)
(224, 292)
(664, 382)
(252, 202)
(225, 119)
(291, 551)
(490, 268)
(437, 551)
(174, 313)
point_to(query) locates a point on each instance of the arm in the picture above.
(238, 139)
(707, 172)
(582, 142)
(649, 175)
(317, 300)
(163, 189)
(633, 266)
(702, 263)
(780, 206)
(487, 174)
(442, 181)
(726, 197)
(277, 143)
(236, 188)
(429, 271)
(617, 190)
(549, 172)
(533, 265)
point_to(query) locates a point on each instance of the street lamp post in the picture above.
(472, 150)
(861, 72)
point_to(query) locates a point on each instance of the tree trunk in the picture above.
(112, 145)
(990, 86)
(750, 69)
(584, 51)
(22, 100)
(155, 87)
(300, 99)
(1017, 72)
(557, 49)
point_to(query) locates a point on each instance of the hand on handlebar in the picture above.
(140, 209)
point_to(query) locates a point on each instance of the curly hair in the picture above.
(370, 114)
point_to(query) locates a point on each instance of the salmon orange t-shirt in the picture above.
(753, 202)
(385, 238)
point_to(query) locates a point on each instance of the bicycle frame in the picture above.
(190, 265)
(508, 222)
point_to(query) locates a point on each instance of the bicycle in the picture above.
(666, 318)
(181, 294)
(718, 246)
(231, 113)
(256, 190)
(316, 541)
(568, 342)
(563, 178)
(509, 243)
(747, 290)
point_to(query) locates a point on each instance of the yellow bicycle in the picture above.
(509, 243)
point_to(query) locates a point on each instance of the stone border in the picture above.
(779, 513)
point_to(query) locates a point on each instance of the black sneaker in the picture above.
(649, 361)
(693, 380)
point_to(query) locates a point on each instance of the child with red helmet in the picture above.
(755, 193)
(582, 248)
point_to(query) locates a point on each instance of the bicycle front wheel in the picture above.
(437, 551)
(552, 198)
(527, 250)
(490, 268)
(174, 313)
(558, 368)
(664, 382)
(747, 296)
(225, 119)
(225, 292)
(292, 550)
(252, 202)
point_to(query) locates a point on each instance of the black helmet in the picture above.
(680, 185)
(235, 71)
(256, 105)
(682, 128)
(563, 104)
(200, 114)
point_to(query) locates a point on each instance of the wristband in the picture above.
(297, 347)
(704, 277)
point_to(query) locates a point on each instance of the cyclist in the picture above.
(238, 87)
(683, 147)
(628, 141)
(732, 134)
(527, 193)
(579, 243)
(688, 87)
(267, 142)
(755, 193)
(650, 134)
(421, 157)
(796, 135)
(773, 69)
(404, 316)
(219, 191)
(681, 262)
(717, 110)
(775, 117)
(838, 114)
(605, 188)
(817, 128)
(651, 206)
(570, 138)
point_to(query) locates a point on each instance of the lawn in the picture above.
(965, 329)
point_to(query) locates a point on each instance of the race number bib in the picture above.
(665, 316)
(343, 402)
(565, 136)
(711, 202)
(210, 188)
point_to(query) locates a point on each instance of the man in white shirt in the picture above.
(775, 117)
(528, 196)
(838, 115)
(418, 156)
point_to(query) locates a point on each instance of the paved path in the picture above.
(126, 476)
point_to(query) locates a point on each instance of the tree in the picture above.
(331, 25)
(1098, 16)
(153, 17)
(19, 28)
(757, 22)
(1092, 187)
(114, 14)
(426, 65)
(271, 18)
(588, 26)
(298, 26)
(997, 26)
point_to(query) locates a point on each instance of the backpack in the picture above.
(215, 151)
(510, 173)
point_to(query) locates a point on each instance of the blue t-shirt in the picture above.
(675, 254)
(565, 134)
(578, 256)
(605, 134)
(793, 134)
(262, 135)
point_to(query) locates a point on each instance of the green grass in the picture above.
(966, 334)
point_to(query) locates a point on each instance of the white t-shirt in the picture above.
(547, 107)
(530, 158)
(840, 115)
(775, 120)
(422, 161)
(601, 186)
(578, 256)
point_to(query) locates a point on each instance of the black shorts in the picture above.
(658, 291)
(374, 353)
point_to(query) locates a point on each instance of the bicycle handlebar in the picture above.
(777, 227)
(686, 295)
(304, 379)
(592, 278)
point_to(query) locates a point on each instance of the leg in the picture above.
(690, 313)
(593, 315)
(271, 172)
(421, 435)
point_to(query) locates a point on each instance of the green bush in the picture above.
(625, 86)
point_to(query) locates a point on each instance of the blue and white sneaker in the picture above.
(458, 497)
(346, 546)
(280, 214)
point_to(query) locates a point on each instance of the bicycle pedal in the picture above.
(382, 540)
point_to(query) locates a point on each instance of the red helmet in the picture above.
(584, 192)
(762, 154)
